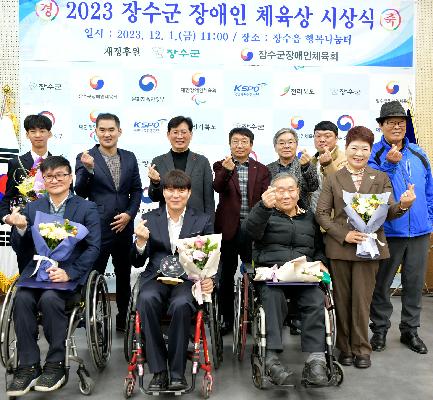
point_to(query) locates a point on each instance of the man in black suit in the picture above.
(109, 176)
(196, 166)
(156, 235)
(38, 131)
(44, 296)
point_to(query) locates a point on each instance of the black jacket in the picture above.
(279, 238)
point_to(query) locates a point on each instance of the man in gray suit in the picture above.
(196, 166)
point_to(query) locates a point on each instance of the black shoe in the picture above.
(178, 384)
(378, 341)
(278, 374)
(25, 378)
(345, 359)
(158, 382)
(52, 378)
(414, 342)
(362, 361)
(314, 372)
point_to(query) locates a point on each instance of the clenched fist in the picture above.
(228, 163)
(153, 174)
(393, 155)
(269, 197)
(305, 157)
(408, 197)
(142, 233)
(87, 160)
(17, 219)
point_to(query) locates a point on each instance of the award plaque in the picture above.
(171, 268)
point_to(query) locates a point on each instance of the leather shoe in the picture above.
(345, 359)
(362, 361)
(414, 342)
(314, 372)
(378, 341)
(159, 381)
(178, 383)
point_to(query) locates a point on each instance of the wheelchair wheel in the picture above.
(128, 339)
(128, 387)
(237, 318)
(338, 374)
(257, 377)
(7, 329)
(98, 320)
(215, 333)
(329, 305)
(86, 386)
(244, 316)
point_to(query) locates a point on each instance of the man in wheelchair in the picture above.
(156, 235)
(282, 231)
(45, 297)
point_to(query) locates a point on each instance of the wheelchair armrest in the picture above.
(247, 268)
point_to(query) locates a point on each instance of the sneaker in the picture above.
(53, 377)
(278, 374)
(314, 372)
(25, 378)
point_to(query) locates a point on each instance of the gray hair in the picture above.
(285, 130)
(283, 175)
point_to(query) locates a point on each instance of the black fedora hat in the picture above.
(391, 109)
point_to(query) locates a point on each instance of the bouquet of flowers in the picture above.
(367, 213)
(55, 239)
(297, 270)
(32, 186)
(200, 258)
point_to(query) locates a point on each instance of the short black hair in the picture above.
(53, 162)
(109, 116)
(242, 131)
(37, 122)
(176, 121)
(176, 179)
(326, 126)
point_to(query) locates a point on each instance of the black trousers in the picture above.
(119, 249)
(154, 301)
(54, 321)
(240, 246)
(412, 254)
(310, 301)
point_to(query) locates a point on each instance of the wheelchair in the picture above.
(89, 309)
(250, 315)
(134, 347)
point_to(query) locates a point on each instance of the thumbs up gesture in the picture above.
(17, 219)
(408, 197)
(142, 233)
(393, 155)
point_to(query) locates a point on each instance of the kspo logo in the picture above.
(248, 90)
(149, 125)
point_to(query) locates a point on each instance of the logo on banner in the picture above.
(93, 115)
(47, 10)
(285, 91)
(297, 122)
(345, 122)
(49, 115)
(247, 55)
(197, 99)
(248, 90)
(96, 82)
(390, 19)
(147, 83)
(392, 87)
(149, 126)
(198, 79)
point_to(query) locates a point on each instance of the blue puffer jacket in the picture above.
(415, 168)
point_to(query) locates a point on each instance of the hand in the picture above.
(207, 286)
(408, 197)
(305, 157)
(228, 163)
(325, 158)
(142, 233)
(269, 197)
(57, 274)
(87, 160)
(323, 268)
(355, 237)
(393, 155)
(120, 222)
(153, 174)
(17, 219)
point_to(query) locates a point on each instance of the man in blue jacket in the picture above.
(408, 236)
(45, 296)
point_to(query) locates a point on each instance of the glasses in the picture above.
(59, 177)
(243, 143)
(288, 143)
(400, 124)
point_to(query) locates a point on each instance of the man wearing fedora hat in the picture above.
(408, 236)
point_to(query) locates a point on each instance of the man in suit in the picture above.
(38, 131)
(196, 166)
(240, 182)
(109, 176)
(156, 235)
(62, 202)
